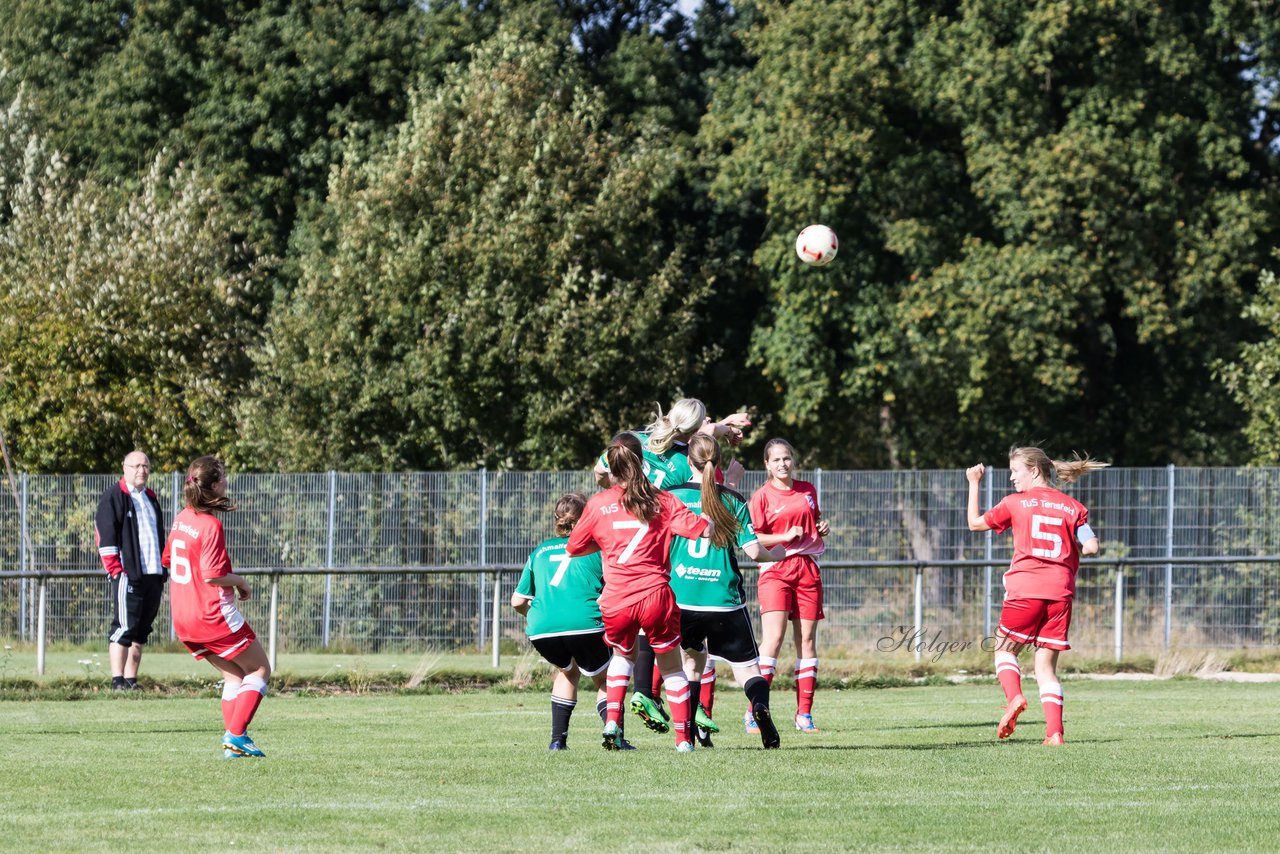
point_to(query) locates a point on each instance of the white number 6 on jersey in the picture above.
(180, 569)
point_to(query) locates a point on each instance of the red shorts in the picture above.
(657, 614)
(794, 585)
(225, 647)
(1039, 622)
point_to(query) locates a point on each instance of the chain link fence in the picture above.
(374, 562)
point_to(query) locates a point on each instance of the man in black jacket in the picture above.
(130, 531)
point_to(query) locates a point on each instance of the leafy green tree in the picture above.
(264, 96)
(123, 316)
(1254, 378)
(1051, 215)
(494, 286)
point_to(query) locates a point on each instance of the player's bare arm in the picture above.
(974, 475)
(232, 580)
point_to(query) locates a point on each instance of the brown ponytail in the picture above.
(1065, 471)
(704, 455)
(198, 492)
(568, 510)
(639, 496)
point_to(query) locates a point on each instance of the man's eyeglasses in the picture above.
(146, 466)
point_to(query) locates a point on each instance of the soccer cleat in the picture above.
(651, 712)
(703, 719)
(623, 744)
(1054, 740)
(558, 745)
(750, 725)
(1016, 706)
(764, 721)
(241, 744)
(804, 723)
(704, 737)
(684, 747)
(228, 753)
(612, 736)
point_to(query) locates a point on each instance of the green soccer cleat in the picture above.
(702, 718)
(611, 739)
(651, 712)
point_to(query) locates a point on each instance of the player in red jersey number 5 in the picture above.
(1050, 533)
(202, 595)
(631, 523)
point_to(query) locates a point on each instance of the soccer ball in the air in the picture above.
(817, 245)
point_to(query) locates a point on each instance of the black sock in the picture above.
(757, 691)
(644, 669)
(117, 682)
(132, 683)
(561, 711)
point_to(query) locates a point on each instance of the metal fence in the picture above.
(371, 562)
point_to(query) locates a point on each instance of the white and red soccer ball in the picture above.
(817, 245)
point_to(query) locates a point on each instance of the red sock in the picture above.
(619, 676)
(806, 684)
(678, 694)
(1051, 700)
(246, 703)
(655, 681)
(1009, 675)
(230, 687)
(707, 692)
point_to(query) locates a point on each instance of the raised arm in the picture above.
(974, 475)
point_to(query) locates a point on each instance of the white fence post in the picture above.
(484, 536)
(496, 634)
(1168, 567)
(1119, 608)
(919, 615)
(275, 615)
(40, 625)
(328, 557)
(23, 583)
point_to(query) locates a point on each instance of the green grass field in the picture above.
(1179, 764)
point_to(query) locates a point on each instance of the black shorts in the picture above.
(587, 651)
(134, 605)
(728, 635)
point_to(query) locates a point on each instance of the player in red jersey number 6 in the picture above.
(202, 596)
(1050, 533)
(632, 523)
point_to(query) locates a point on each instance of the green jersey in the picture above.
(663, 470)
(563, 591)
(704, 577)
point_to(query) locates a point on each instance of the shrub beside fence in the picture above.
(369, 562)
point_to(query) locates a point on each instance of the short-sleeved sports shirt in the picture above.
(195, 551)
(775, 510)
(636, 555)
(1046, 550)
(663, 470)
(563, 591)
(704, 577)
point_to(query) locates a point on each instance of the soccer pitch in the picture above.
(1179, 764)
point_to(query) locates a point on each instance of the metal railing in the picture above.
(367, 562)
(892, 626)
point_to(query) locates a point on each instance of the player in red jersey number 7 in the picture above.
(202, 596)
(1050, 533)
(631, 523)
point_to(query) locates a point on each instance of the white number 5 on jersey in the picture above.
(1040, 535)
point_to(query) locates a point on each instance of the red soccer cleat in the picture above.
(1054, 740)
(1016, 706)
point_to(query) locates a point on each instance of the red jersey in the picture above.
(636, 555)
(1046, 549)
(197, 550)
(775, 510)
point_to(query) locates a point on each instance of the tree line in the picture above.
(389, 235)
